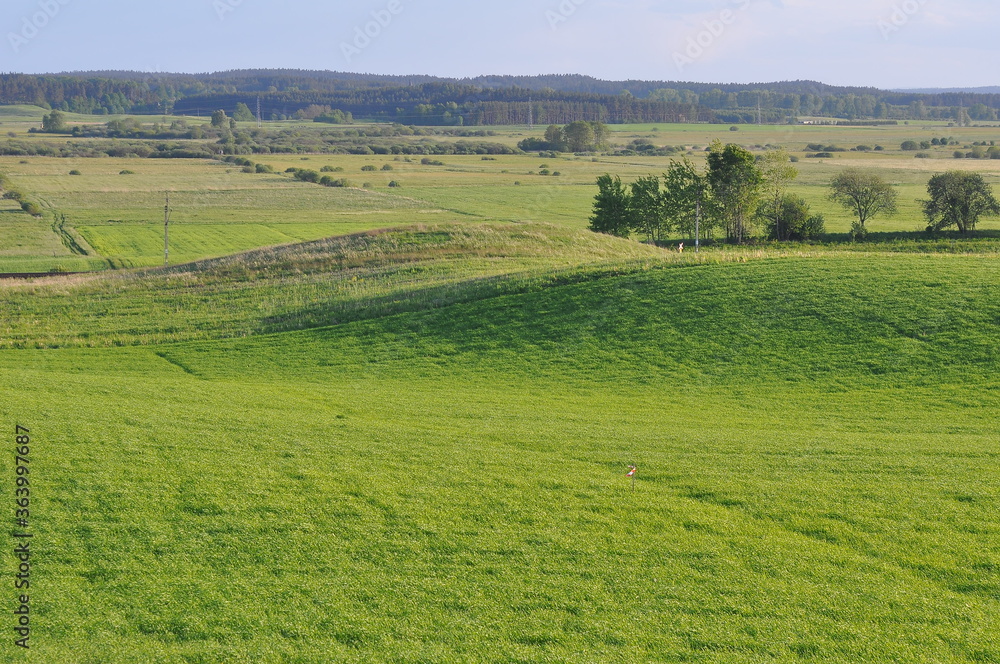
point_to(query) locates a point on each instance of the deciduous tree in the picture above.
(611, 207)
(958, 198)
(736, 183)
(864, 193)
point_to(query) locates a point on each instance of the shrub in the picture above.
(387, 167)
(248, 169)
(264, 168)
(734, 128)
(126, 172)
(328, 181)
(813, 227)
(368, 168)
(75, 172)
(31, 208)
(958, 154)
(427, 161)
(394, 184)
(858, 232)
(909, 146)
(922, 155)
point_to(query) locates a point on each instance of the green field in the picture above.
(443, 481)
(376, 424)
(218, 210)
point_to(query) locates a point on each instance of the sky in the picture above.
(879, 43)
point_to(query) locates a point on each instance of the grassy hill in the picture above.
(410, 446)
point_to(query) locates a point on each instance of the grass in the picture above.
(444, 483)
(120, 216)
(410, 445)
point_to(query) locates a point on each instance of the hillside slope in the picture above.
(444, 482)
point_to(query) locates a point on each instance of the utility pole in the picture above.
(531, 114)
(260, 123)
(166, 232)
(697, 223)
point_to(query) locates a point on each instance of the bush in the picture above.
(909, 146)
(734, 128)
(126, 172)
(307, 175)
(427, 161)
(264, 168)
(328, 181)
(332, 169)
(248, 169)
(814, 227)
(31, 208)
(387, 167)
(394, 184)
(958, 154)
(922, 155)
(75, 172)
(858, 232)
(368, 168)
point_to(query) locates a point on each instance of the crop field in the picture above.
(445, 481)
(392, 424)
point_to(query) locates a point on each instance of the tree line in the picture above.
(743, 197)
(483, 100)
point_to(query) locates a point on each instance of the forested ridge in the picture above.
(485, 100)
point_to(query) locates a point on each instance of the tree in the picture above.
(54, 123)
(778, 172)
(554, 138)
(684, 189)
(611, 207)
(795, 221)
(579, 136)
(243, 113)
(736, 184)
(958, 199)
(864, 193)
(646, 211)
(219, 119)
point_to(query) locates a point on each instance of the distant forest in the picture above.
(487, 100)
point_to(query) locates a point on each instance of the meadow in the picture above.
(380, 424)
(217, 209)
(447, 484)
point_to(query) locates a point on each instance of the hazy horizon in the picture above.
(886, 44)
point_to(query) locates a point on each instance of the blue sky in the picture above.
(882, 43)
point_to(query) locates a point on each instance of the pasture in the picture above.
(444, 482)
(375, 424)
(218, 209)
